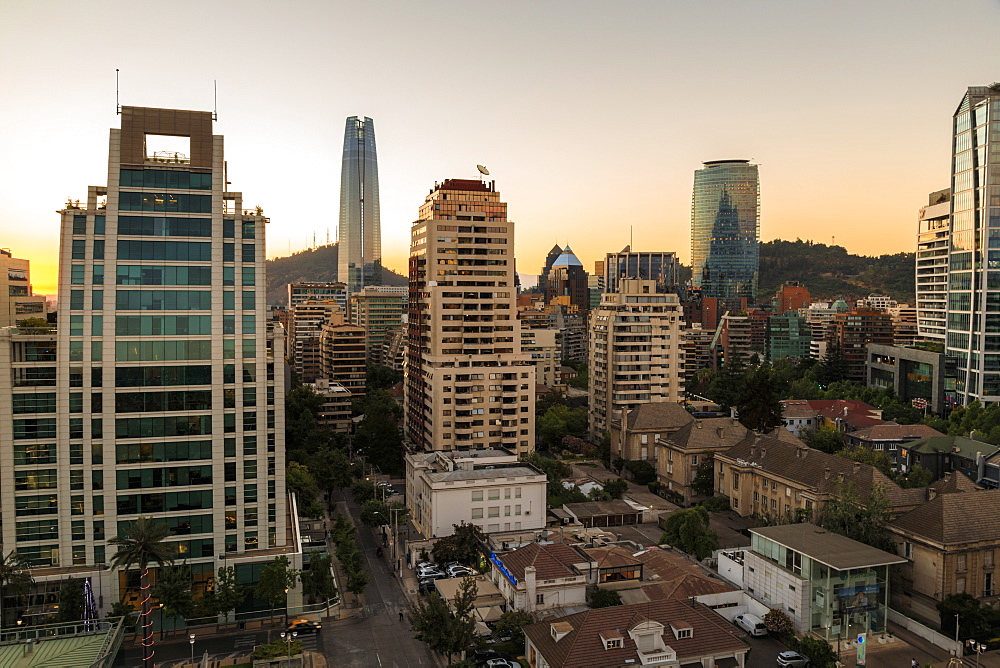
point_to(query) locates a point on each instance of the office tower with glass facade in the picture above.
(359, 247)
(567, 279)
(159, 397)
(468, 383)
(725, 230)
(657, 266)
(933, 242)
(973, 325)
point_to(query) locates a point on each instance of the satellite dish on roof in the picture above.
(483, 170)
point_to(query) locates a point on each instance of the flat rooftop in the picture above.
(836, 551)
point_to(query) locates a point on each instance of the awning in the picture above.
(489, 614)
(482, 629)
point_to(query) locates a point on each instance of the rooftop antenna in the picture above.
(482, 172)
(215, 98)
(118, 107)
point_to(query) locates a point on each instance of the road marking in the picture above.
(379, 659)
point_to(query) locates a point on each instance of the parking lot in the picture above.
(764, 652)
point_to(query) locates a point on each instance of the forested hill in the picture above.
(317, 264)
(829, 271)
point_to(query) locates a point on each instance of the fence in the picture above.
(925, 632)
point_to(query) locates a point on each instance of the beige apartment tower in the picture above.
(17, 302)
(636, 351)
(468, 384)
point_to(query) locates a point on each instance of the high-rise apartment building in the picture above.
(303, 291)
(379, 309)
(656, 266)
(307, 321)
(343, 359)
(468, 384)
(359, 247)
(550, 259)
(973, 325)
(17, 302)
(725, 230)
(790, 297)
(933, 241)
(635, 353)
(788, 336)
(852, 331)
(159, 397)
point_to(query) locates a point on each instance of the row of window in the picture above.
(143, 427)
(174, 251)
(153, 376)
(178, 400)
(163, 300)
(494, 511)
(136, 453)
(163, 178)
(44, 402)
(167, 202)
(162, 351)
(164, 227)
(163, 275)
(163, 325)
(493, 494)
(173, 476)
(164, 502)
(80, 224)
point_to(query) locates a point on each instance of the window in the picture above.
(477, 495)
(539, 599)
(961, 565)
(960, 586)
(988, 559)
(988, 584)
(477, 513)
(167, 202)
(908, 550)
(494, 511)
(494, 494)
(164, 227)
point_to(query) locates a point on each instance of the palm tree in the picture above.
(141, 545)
(15, 578)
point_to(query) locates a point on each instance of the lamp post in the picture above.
(978, 647)
(286, 606)
(191, 642)
(287, 637)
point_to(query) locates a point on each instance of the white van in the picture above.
(752, 624)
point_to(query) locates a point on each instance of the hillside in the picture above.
(829, 271)
(317, 264)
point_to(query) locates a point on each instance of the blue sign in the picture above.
(503, 569)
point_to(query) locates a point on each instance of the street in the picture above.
(377, 638)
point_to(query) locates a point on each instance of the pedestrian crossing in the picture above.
(245, 642)
(309, 641)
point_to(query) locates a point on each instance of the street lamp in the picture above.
(286, 606)
(979, 648)
(287, 637)
(191, 641)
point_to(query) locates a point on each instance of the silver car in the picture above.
(792, 660)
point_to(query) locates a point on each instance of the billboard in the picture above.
(862, 598)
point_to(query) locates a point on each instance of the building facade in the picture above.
(342, 356)
(379, 309)
(323, 291)
(913, 373)
(468, 383)
(635, 353)
(359, 241)
(656, 266)
(679, 454)
(545, 352)
(852, 332)
(933, 241)
(17, 301)
(634, 434)
(725, 230)
(307, 321)
(568, 279)
(788, 336)
(160, 397)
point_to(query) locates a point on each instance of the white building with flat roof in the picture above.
(488, 488)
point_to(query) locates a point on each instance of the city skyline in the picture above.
(809, 78)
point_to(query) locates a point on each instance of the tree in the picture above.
(917, 477)
(317, 580)
(331, 469)
(357, 580)
(378, 377)
(864, 522)
(703, 483)
(605, 598)
(274, 582)
(726, 385)
(173, 591)
(15, 578)
(299, 480)
(71, 600)
(463, 546)
(141, 544)
(642, 472)
(879, 460)
(378, 435)
(820, 654)
(123, 610)
(778, 622)
(974, 621)
(446, 630)
(833, 367)
(228, 594)
(759, 401)
(827, 439)
(560, 421)
(363, 490)
(33, 323)
(688, 530)
(512, 623)
(615, 488)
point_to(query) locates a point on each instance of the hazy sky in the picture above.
(592, 116)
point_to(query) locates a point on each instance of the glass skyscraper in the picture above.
(359, 249)
(725, 229)
(973, 324)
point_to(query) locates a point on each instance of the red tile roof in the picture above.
(550, 561)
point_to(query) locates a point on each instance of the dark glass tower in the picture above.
(359, 251)
(725, 230)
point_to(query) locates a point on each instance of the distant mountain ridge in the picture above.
(314, 264)
(830, 271)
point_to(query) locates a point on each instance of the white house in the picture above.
(536, 577)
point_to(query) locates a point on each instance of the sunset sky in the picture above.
(591, 116)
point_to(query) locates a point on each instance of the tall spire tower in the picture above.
(359, 251)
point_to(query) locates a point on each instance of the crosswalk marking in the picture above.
(245, 642)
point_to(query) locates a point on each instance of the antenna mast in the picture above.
(118, 107)
(215, 100)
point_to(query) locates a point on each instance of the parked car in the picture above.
(502, 663)
(431, 575)
(425, 585)
(793, 660)
(459, 571)
(752, 624)
(303, 626)
(426, 564)
(484, 654)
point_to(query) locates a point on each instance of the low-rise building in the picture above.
(943, 454)
(672, 633)
(335, 413)
(603, 513)
(889, 438)
(828, 584)
(680, 454)
(767, 476)
(538, 577)
(640, 575)
(949, 546)
(633, 438)
(844, 415)
(488, 488)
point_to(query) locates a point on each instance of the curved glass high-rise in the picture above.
(725, 229)
(359, 251)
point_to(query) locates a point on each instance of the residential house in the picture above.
(633, 438)
(889, 438)
(666, 632)
(950, 545)
(844, 415)
(537, 577)
(681, 453)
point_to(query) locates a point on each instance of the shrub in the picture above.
(604, 598)
(778, 622)
(716, 504)
(278, 648)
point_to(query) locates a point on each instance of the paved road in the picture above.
(177, 650)
(377, 638)
(764, 652)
